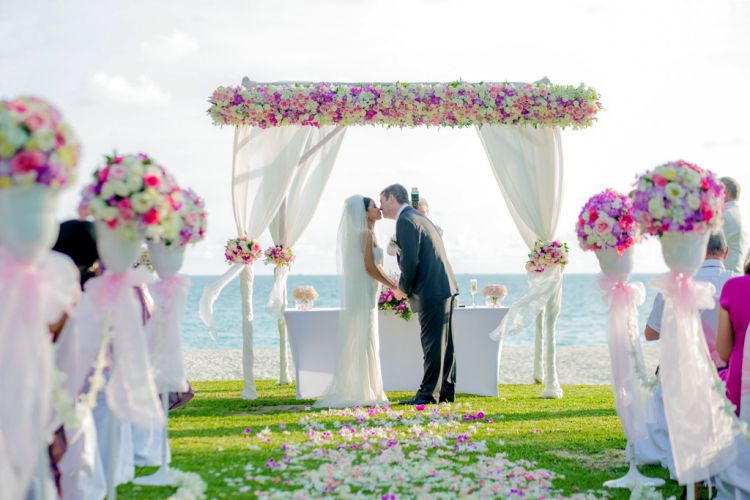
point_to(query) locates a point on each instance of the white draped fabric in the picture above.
(109, 303)
(631, 398)
(32, 297)
(163, 333)
(263, 165)
(294, 215)
(701, 434)
(527, 163)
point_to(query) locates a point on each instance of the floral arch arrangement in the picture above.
(455, 104)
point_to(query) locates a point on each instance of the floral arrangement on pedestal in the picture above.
(304, 296)
(545, 254)
(454, 104)
(184, 218)
(607, 221)
(36, 145)
(242, 250)
(387, 301)
(127, 194)
(279, 256)
(678, 196)
(494, 294)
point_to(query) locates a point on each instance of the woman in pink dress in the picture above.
(731, 339)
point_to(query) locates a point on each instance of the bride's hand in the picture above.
(399, 294)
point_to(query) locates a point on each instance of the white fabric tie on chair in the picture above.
(110, 301)
(32, 297)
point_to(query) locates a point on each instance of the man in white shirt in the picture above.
(656, 448)
(733, 229)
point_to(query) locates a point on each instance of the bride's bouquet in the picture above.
(387, 301)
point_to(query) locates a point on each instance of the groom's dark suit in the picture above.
(427, 279)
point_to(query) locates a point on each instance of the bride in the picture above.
(357, 380)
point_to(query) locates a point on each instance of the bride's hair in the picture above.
(367, 202)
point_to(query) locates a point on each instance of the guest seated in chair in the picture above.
(734, 347)
(656, 448)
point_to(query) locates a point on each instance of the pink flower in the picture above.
(112, 223)
(603, 226)
(124, 204)
(26, 161)
(151, 217)
(151, 180)
(117, 173)
(419, 407)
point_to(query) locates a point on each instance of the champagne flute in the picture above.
(473, 285)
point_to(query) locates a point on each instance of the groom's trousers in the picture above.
(439, 381)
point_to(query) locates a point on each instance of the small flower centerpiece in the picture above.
(279, 256)
(680, 203)
(242, 250)
(494, 294)
(304, 297)
(546, 254)
(387, 301)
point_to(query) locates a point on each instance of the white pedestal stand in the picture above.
(163, 476)
(112, 455)
(633, 478)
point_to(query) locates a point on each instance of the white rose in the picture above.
(693, 201)
(120, 188)
(134, 182)
(656, 207)
(141, 203)
(107, 191)
(44, 139)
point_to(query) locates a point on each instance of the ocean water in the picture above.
(582, 321)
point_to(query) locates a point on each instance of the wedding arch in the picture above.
(288, 134)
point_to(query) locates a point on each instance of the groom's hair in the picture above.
(397, 191)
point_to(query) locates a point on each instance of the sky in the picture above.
(136, 76)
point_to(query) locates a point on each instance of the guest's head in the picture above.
(717, 247)
(423, 206)
(391, 200)
(77, 240)
(747, 264)
(731, 188)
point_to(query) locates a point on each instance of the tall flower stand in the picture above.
(130, 393)
(702, 435)
(626, 357)
(37, 288)
(170, 297)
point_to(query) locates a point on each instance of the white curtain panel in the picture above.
(294, 215)
(528, 166)
(262, 168)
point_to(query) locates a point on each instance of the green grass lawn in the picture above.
(578, 437)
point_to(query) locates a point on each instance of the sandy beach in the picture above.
(575, 365)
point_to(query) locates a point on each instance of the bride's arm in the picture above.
(375, 271)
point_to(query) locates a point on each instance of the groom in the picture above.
(427, 280)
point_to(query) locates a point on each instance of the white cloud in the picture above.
(170, 47)
(119, 89)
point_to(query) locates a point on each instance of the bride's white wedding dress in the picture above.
(357, 380)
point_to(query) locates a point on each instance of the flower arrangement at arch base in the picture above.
(279, 256)
(387, 301)
(242, 250)
(545, 254)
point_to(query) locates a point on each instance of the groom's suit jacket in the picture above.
(426, 275)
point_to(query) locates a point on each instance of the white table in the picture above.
(312, 336)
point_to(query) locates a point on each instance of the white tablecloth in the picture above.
(312, 336)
